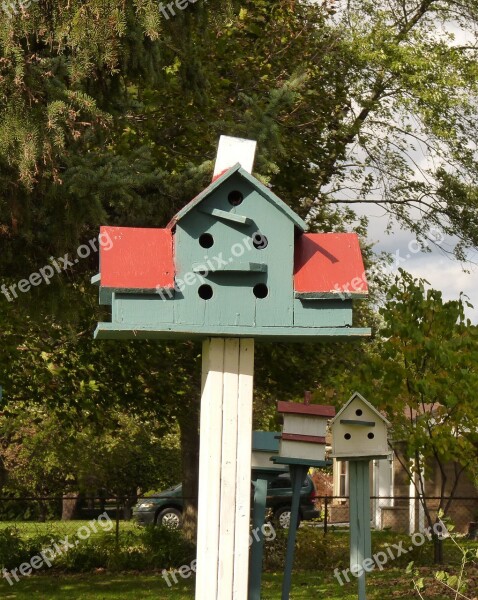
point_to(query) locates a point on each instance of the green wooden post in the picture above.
(255, 567)
(360, 535)
(297, 475)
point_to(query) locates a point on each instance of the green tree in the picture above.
(422, 372)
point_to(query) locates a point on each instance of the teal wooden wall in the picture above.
(322, 313)
(141, 309)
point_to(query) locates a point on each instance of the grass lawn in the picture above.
(59, 529)
(316, 554)
(391, 583)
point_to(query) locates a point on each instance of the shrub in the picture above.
(13, 550)
(167, 547)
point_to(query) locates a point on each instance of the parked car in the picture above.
(166, 508)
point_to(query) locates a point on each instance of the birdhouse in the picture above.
(359, 431)
(265, 445)
(303, 431)
(235, 261)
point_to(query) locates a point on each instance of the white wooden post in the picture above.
(225, 469)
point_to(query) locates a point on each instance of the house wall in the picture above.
(462, 511)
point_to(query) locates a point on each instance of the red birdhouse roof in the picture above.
(138, 259)
(328, 265)
(314, 410)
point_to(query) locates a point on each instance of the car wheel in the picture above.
(282, 518)
(170, 518)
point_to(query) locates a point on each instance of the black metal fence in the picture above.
(403, 514)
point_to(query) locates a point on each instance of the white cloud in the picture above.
(441, 270)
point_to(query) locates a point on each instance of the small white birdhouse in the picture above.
(304, 429)
(359, 431)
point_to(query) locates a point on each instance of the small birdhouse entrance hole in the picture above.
(235, 198)
(259, 241)
(206, 240)
(205, 292)
(261, 290)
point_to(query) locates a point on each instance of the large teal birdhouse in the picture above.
(235, 261)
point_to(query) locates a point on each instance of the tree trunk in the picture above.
(70, 506)
(189, 428)
(130, 501)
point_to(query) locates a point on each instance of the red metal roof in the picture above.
(136, 258)
(329, 262)
(297, 437)
(316, 410)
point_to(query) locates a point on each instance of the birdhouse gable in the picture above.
(359, 430)
(357, 398)
(234, 213)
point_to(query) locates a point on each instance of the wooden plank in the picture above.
(284, 460)
(232, 150)
(298, 437)
(316, 410)
(302, 450)
(354, 514)
(319, 313)
(333, 295)
(243, 476)
(225, 469)
(107, 331)
(228, 467)
(233, 267)
(210, 469)
(142, 308)
(227, 216)
(357, 422)
(360, 534)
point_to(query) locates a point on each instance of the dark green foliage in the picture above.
(137, 549)
(316, 551)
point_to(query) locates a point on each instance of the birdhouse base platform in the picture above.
(115, 331)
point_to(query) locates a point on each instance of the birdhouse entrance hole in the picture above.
(205, 292)
(235, 197)
(259, 241)
(206, 240)
(261, 291)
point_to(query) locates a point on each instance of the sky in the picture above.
(441, 270)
